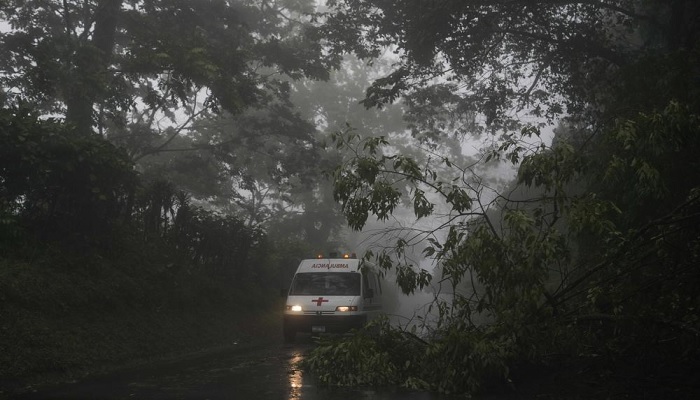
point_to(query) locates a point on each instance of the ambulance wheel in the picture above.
(289, 334)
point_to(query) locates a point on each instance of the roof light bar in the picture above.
(336, 255)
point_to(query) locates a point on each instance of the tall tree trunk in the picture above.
(91, 67)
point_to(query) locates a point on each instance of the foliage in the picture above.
(83, 193)
(78, 57)
(209, 80)
(196, 93)
(66, 315)
(60, 184)
(99, 265)
(598, 249)
(363, 359)
(591, 252)
(496, 57)
(333, 105)
(459, 361)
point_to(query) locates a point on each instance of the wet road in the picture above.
(268, 371)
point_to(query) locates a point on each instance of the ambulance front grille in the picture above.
(319, 312)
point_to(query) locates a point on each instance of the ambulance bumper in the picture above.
(324, 323)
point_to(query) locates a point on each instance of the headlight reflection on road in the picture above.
(296, 379)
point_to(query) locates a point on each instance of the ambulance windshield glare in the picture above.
(326, 283)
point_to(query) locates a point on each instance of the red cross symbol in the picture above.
(319, 301)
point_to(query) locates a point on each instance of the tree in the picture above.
(196, 93)
(545, 58)
(589, 252)
(59, 185)
(96, 61)
(335, 105)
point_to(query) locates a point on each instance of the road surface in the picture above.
(250, 371)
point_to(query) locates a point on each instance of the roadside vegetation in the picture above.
(157, 187)
(587, 262)
(90, 316)
(100, 267)
(161, 161)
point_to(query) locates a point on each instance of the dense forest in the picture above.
(157, 185)
(162, 159)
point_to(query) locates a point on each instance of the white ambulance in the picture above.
(331, 295)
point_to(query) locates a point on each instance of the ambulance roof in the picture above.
(329, 265)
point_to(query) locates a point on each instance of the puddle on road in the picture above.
(296, 376)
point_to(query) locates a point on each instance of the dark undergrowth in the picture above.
(579, 378)
(465, 364)
(65, 316)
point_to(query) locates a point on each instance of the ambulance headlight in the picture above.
(295, 308)
(346, 308)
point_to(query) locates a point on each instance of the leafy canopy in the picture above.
(592, 251)
(94, 61)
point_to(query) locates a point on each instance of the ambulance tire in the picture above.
(289, 334)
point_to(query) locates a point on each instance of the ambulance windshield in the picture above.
(326, 283)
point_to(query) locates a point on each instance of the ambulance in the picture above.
(332, 295)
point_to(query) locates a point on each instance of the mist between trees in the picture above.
(210, 145)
